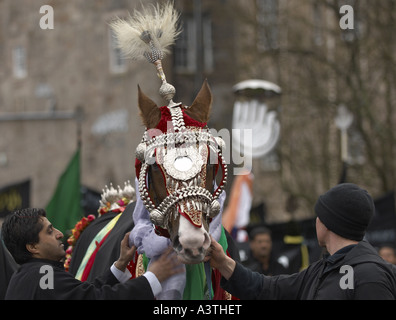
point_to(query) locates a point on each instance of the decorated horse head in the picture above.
(178, 158)
(177, 164)
(180, 173)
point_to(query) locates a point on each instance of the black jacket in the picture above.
(7, 267)
(274, 267)
(25, 285)
(373, 278)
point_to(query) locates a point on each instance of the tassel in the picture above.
(149, 33)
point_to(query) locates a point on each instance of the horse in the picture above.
(179, 200)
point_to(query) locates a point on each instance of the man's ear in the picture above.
(32, 248)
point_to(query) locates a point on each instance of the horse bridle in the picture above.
(172, 151)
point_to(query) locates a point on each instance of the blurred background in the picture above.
(321, 100)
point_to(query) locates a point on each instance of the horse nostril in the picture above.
(177, 245)
(188, 252)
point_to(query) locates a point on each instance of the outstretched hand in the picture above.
(219, 260)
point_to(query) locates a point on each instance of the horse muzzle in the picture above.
(191, 243)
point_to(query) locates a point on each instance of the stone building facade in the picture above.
(46, 75)
(62, 85)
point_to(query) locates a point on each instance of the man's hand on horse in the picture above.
(126, 253)
(166, 265)
(219, 260)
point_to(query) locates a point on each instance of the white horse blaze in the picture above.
(195, 241)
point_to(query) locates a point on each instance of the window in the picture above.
(267, 21)
(207, 45)
(19, 62)
(358, 23)
(317, 24)
(186, 47)
(118, 63)
(356, 147)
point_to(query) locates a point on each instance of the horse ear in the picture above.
(149, 111)
(202, 105)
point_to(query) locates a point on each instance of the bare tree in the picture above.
(319, 66)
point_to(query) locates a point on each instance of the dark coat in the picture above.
(7, 267)
(274, 267)
(25, 285)
(373, 278)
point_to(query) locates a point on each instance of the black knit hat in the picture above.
(346, 210)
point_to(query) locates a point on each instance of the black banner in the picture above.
(90, 201)
(382, 228)
(12, 197)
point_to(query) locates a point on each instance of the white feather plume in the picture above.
(159, 21)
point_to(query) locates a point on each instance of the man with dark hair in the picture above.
(36, 245)
(352, 270)
(261, 258)
(20, 233)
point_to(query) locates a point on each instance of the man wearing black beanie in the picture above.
(352, 270)
(346, 210)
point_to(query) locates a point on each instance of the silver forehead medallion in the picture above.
(183, 163)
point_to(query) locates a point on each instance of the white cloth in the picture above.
(147, 241)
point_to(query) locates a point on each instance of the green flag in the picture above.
(64, 210)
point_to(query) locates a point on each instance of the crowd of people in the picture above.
(350, 269)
